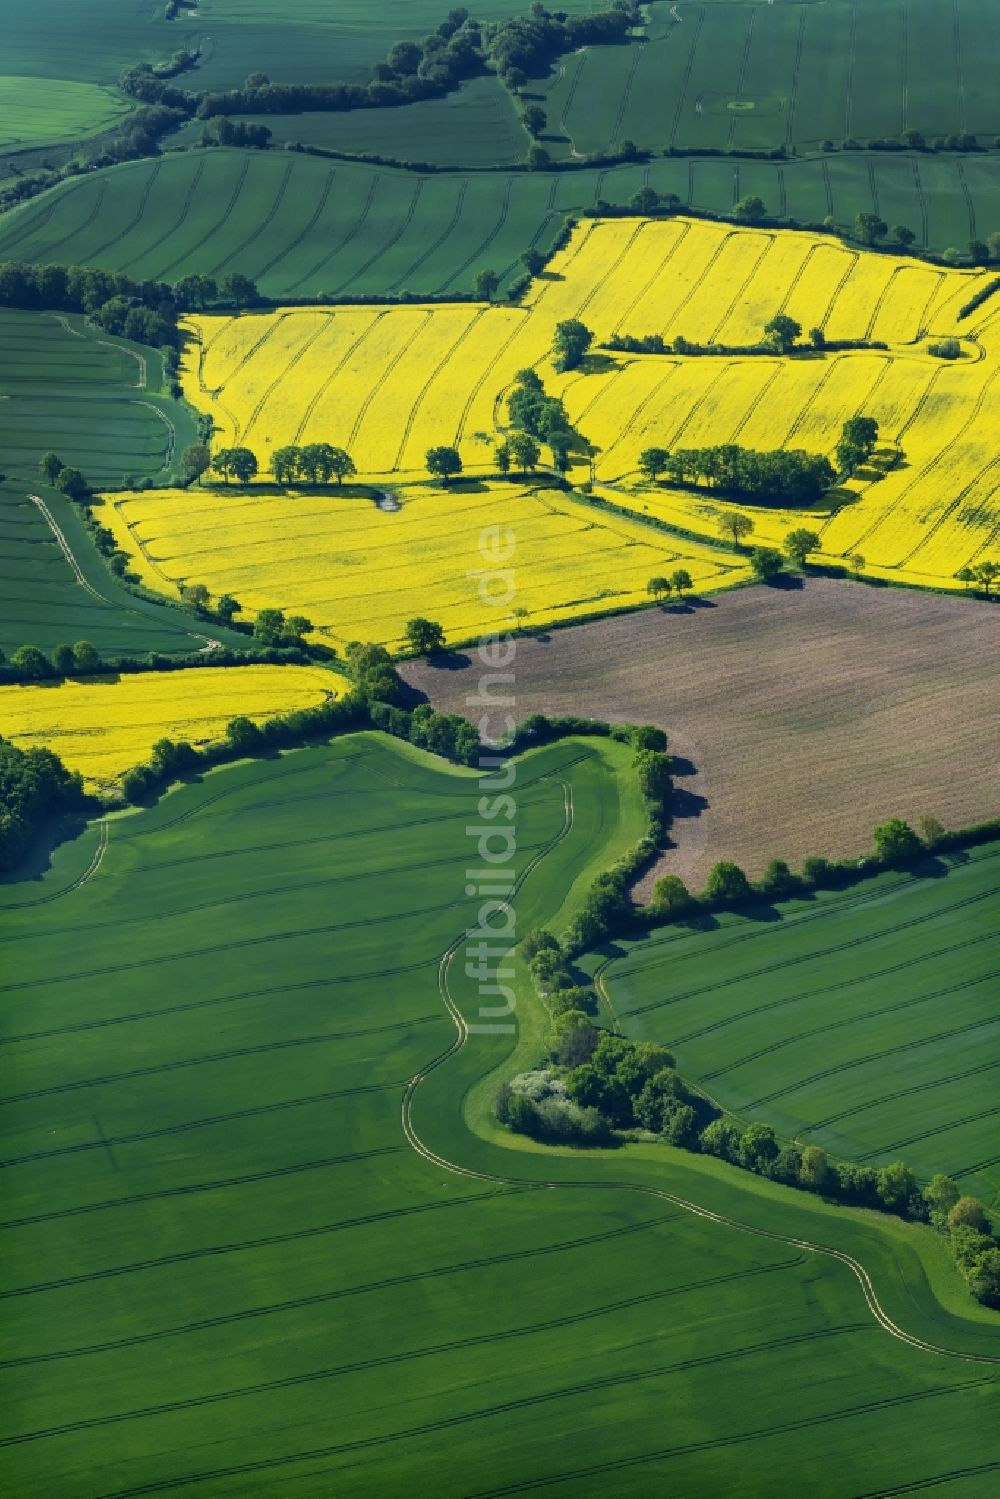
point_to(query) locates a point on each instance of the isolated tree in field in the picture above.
(524, 451)
(572, 341)
(238, 289)
(533, 261)
(902, 235)
(681, 580)
(857, 563)
(85, 656)
(987, 574)
(857, 442)
(782, 331)
(73, 484)
(750, 209)
(30, 662)
(197, 595)
(799, 543)
(226, 607)
(658, 588)
(503, 460)
(443, 463)
(50, 466)
(534, 119)
(766, 563)
(895, 841)
(727, 883)
(735, 525)
(194, 293)
(652, 462)
(869, 228)
(195, 459)
(424, 636)
(486, 284)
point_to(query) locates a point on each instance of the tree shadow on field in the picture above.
(449, 661)
(685, 804)
(38, 858)
(786, 582)
(930, 868)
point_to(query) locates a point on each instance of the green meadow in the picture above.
(253, 1245)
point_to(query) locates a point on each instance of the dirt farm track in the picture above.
(799, 717)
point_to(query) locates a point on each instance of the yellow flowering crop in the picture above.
(387, 383)
(360, 572)
(102, 726)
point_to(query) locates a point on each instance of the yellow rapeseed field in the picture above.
(102, 726)
(387, 383)
(360, 572)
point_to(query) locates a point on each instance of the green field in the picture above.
(301, 225)
(723, 74)
(96, 401)
(864, 1021)
(227, 1268)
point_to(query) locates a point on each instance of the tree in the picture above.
(735, 525)
(869, 228)
(443, 463)
(984, 1277)
(727, 884)
(857, 563)
(197, 595)
(968, 1212)
(653, 770)
(799, 543)
(896, 1186)
(681, 580)
(778, 880)
(50, 465)
(341, 464)
(195, 292)
(534, 119)
(766, 563)
(574, 1038)
(85, 657)
(750, 209)
(896, 842)
(195, 459)
(646, 200)
(979, 252)
(524, 450)
(533, 261)
(652, 462)
(238, 289)
(902, 235)
(966, 575)
(243, 734)
(538, 158)
(226, 607)
(782, 331)
(243, 464)
(931, 831)
(73, 484)
(486, 284)
(758, 1147)
(503, 458)
(424, 637)
(986, 574)
(572, 341)
(657, 587)
(817, 338)
(62, 659)
(659, 1095)
(269, 626)
(31, 663)
(285, 464)
(941, 1195)
(671, 897)
(815, 1168)
(296, 626)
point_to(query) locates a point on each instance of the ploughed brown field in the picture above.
(799, 717)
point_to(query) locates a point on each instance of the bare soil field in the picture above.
(799, 717)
